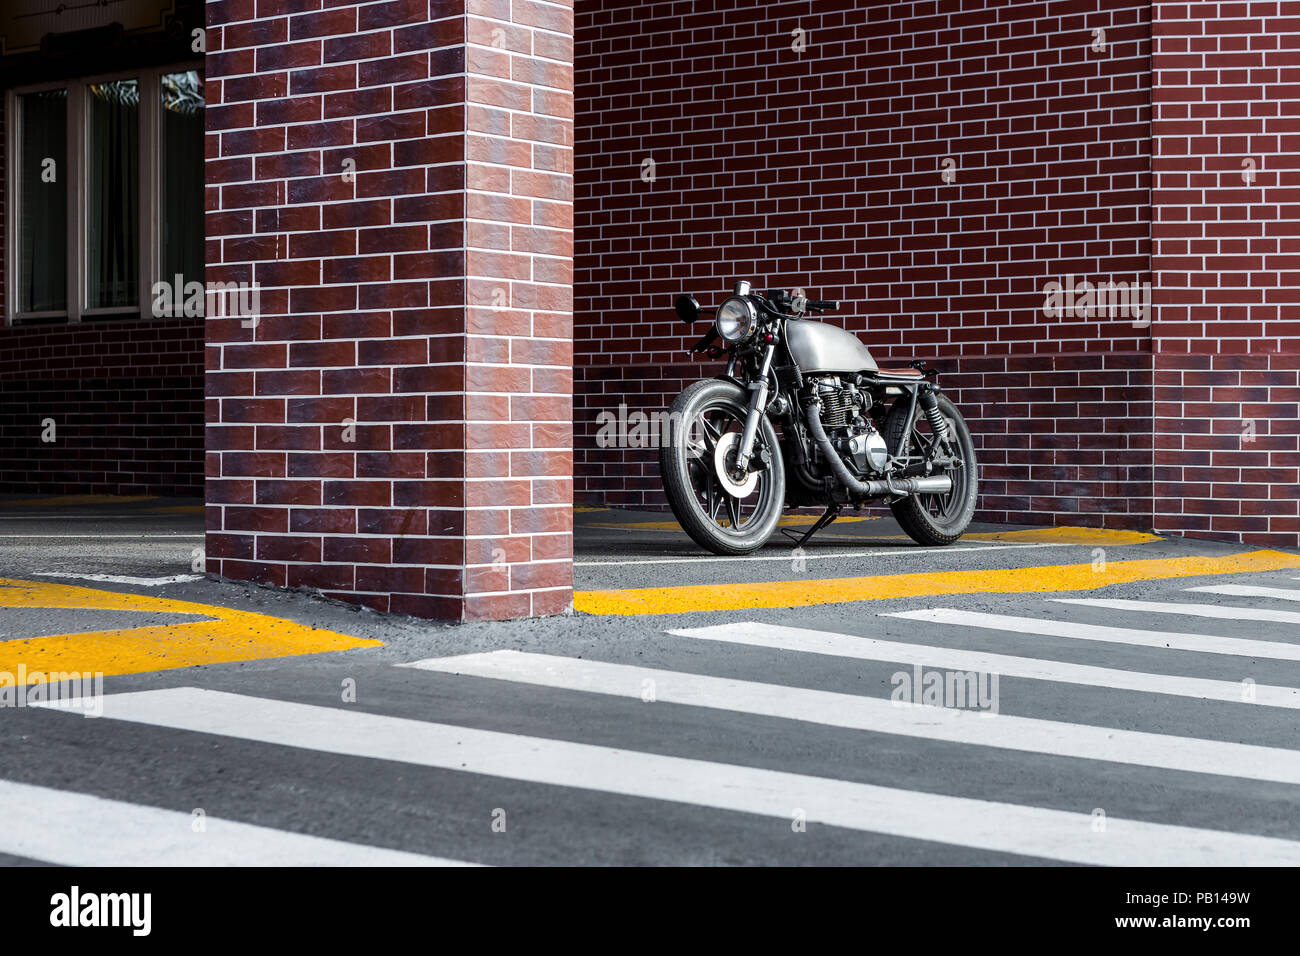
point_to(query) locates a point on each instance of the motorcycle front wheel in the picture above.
(935, 519)
(720, 514)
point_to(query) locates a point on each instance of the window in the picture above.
(112, 194)
(106, 189)
(182, 176)
(41, 241)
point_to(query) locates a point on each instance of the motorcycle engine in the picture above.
(845, 418)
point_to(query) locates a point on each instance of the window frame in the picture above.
(149, 133)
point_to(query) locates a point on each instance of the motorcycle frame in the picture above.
(765, 356)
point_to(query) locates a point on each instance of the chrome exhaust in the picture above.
(928, 485)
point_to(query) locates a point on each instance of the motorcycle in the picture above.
(804, 417)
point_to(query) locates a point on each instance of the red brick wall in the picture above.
(426, 299)
(126, 398)
(822, 170)
(1226, 248)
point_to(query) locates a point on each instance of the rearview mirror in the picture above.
(688, 310)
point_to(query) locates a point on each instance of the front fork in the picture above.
(758, 391)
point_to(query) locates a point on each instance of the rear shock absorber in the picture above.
(930, 405)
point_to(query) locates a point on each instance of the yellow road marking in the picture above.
(228, 634)
(776, 594)
(1066, 535)
(789, 521)
(1062, 536)
(581, 510)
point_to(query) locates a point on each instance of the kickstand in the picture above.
(831, 514)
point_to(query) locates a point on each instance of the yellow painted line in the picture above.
(1067, 535)
(178, 509)
(228, 634)
(789, 521)
(58, 500)
(777, 594)
(583, 511)
(1062, 536)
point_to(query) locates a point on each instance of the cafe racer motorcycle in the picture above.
(804, 417)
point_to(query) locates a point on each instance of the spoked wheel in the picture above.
(722, 513)
(942, 517)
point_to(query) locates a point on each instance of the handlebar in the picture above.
(780, 302)
(797, 303)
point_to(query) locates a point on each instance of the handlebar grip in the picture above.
(824, 306)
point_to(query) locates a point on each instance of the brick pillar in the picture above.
(519, 341)
(394, 427)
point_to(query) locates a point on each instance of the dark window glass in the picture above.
(43, 202)
(182, 176)
(113, 195)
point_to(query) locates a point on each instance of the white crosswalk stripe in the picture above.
(1220, 611)
(967, 726)
(778, 637)
(1202, 643)
(981, 824)
(1249, 590)
(77, 829)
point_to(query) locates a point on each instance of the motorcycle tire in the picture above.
(936, 519)
(703, 414)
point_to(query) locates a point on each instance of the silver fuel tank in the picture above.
(818, 347)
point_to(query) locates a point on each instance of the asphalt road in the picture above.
(1163, 732)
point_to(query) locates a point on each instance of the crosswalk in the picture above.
(1160, 668)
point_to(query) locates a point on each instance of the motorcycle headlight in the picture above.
(737, 319)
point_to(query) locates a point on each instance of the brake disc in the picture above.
(724, 454)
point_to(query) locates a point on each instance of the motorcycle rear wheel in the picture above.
(935, 519)
(717, 520)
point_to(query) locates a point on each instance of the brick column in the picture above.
(393, 428)
(519, 342)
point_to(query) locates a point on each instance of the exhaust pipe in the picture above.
(927, 485)
(873, 488)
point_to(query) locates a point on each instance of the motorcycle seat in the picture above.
(901, 372)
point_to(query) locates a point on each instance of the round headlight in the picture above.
(737, 319)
